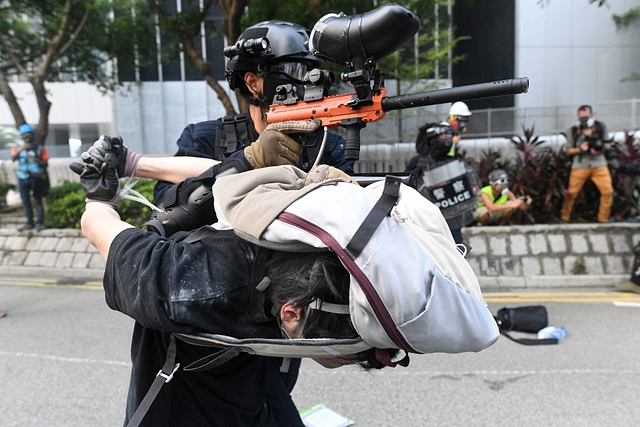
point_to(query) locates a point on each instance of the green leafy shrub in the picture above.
(65, 205)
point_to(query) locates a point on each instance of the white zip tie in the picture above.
(322, 145)
(127, 192)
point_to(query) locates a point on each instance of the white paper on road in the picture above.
(321, 416)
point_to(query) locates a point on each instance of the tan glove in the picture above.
(322, 173)
(275, 148)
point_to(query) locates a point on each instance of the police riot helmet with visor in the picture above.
(439, 139)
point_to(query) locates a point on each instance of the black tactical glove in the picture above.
(99, 179)
(126, 159)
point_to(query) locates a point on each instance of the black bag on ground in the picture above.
(529, 319)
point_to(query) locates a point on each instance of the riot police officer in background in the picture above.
(443, 179)
(458, 118)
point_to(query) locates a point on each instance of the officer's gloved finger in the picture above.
(290, 151)
(86, 157)
(296, 126)
(76, 167)
(103, 143)
(116, 142)
(111, 160)
(96, 152)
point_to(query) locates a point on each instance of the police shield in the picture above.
(452, 187)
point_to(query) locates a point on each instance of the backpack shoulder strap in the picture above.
(381, 209)
(164, 376)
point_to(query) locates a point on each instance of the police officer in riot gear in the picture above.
(443, 179)
(267, 55)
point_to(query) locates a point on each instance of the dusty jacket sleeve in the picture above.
(173, 286)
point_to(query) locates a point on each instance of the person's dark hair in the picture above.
(585, 107)
(303, 277)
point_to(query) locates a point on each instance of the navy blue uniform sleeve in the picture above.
(335, 150)
(174, 286)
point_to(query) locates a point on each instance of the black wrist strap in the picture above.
(529, 341)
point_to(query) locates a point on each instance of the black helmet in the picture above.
(266, 45)
(498, 176)
(439, 139)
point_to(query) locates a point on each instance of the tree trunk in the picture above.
(232, 11)
(43, 107)
(10, 97)
(208, 77)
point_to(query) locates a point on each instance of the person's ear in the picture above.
(290, 313)
(253, 83)
(290, 316)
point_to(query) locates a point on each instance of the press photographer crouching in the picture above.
(496, 203)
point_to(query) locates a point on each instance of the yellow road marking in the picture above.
(44, 283)
(563, 297)
(590, 297)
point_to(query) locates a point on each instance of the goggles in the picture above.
(500, 181)
(291, 70)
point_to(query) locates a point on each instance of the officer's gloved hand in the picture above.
(322, 173)
(275, 148)
(127, 160)
(99, 179)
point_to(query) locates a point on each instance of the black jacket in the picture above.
(207, 286)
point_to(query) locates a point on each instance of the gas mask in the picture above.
(585, 122)
(461, 124)
(441, 145)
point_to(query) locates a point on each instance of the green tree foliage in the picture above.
(413, 62)
(185, 27)
(66, 40)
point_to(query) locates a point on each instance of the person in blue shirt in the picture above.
(32, 162)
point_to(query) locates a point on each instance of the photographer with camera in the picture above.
(32, 163)
(586, 142)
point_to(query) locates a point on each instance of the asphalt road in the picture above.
(64, 362)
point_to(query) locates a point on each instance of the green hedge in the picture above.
(65, 205)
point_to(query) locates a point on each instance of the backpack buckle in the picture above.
(168, 377)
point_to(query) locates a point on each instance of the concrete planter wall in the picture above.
(568, 254)
(502, 257)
